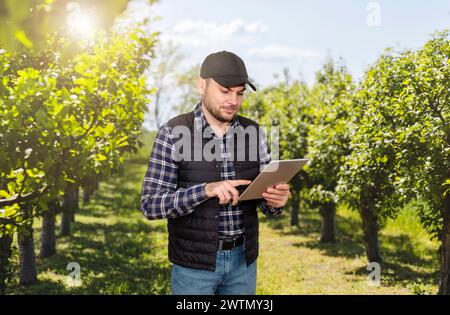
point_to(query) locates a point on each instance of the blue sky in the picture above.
(295, 34)
(271, 35)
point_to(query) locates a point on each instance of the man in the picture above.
(213, 238)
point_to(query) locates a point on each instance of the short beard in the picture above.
(215, 113)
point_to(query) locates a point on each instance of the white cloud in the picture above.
(201, 33)
(282, 53)
(225, 29)
(136, 12)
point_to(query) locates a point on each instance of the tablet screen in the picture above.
(276, 172)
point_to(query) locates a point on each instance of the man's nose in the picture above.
(234, 99)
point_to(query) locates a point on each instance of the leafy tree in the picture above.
(186, 84)
(368, 177)
(420, 116)
(61, 123)
(400, 146)
(162, 77)
(328, 140)
(284, 106)
(26, 24)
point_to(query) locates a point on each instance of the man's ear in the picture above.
(201, 86)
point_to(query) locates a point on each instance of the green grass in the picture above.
(120, 252)
(117, 249)
(293, 261)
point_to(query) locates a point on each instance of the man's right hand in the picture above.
(225, 190)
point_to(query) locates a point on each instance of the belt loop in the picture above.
(220, 247)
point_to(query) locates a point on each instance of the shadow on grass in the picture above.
(114, 259)
(119, 256)
(308, 223)
(404, 264)
(348, 242)
(399, 274)
(121, 204)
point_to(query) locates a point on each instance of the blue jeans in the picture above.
(231, 276)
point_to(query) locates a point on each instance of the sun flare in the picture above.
(80, 22)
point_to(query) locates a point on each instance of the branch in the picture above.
(434, 107)
(5, 221)
(21, 198)
(94, 123)
(25, 175)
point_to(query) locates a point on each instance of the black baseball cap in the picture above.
(225, 68)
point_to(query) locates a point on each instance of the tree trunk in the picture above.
(67, 209)
(96, 183)
(444, 279)
(89, 187)
(5, 255)
(48, 238)
(65, 223)
(296, 187)
(371, 228)
(86, 195)
(328, 214)
(27, 256)
(75, 205)
(295, 209)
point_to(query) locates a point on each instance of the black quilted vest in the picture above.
(193, 238)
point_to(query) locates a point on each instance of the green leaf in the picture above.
(108, 129)
(99, 157)
(70, 180)
(41, 116)
(11, 187)
(4, 194)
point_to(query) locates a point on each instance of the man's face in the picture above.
(221, 102)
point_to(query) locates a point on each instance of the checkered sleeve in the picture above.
(264, 160)
(159, 197)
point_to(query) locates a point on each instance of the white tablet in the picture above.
(274, 173)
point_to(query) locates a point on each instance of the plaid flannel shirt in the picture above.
(161, 200)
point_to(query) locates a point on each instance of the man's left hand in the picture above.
(277, 196)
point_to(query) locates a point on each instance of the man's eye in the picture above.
(225, 92)
(241, 94)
